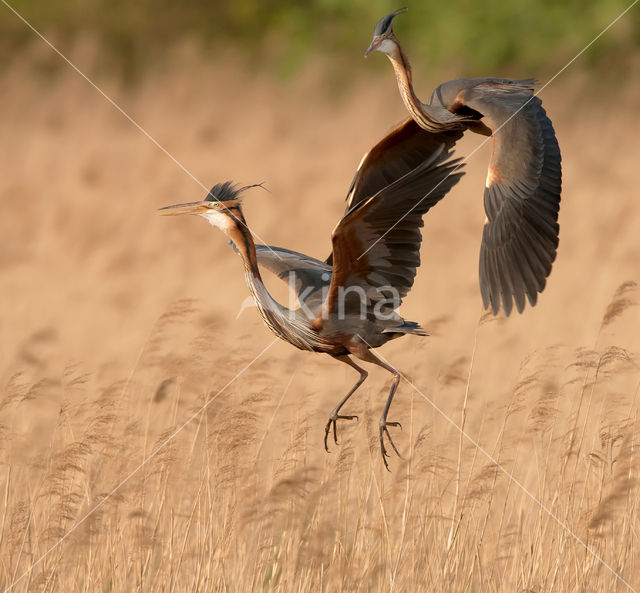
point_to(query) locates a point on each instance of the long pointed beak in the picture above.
(377, 40)
(188, 208)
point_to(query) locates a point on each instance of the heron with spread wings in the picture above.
(522, 194)
(348, 304)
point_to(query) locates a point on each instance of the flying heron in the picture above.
(348, 303)
(522, 194)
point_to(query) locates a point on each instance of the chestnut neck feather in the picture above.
(418, 110)
(283, 322)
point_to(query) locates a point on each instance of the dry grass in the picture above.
(118, 326)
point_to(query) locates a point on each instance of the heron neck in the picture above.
(418, 110)
(242, 239)
(278, 318)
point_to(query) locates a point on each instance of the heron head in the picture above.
(383, 37)
(221, 207)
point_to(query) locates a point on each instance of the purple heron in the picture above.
(522, 194)
(347, 304)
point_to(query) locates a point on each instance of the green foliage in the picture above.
(480, 36)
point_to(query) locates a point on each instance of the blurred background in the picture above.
(283, 34)
(116, 325)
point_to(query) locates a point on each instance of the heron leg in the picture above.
(335, 413)
(383, 425)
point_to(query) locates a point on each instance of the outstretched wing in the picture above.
(522, 194)
(404, 148)
(376, 245)
(400, 151)
(308, 276)
(397, 153)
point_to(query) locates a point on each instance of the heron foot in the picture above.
(333, 421)
(384, 431)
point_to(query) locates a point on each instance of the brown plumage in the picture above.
(348, 304)
(522, 194)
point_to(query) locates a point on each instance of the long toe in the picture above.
(333, 423)
(327, 428)
(384, 431)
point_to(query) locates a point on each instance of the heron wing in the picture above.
(376, 245)
(397, 153)
(307, 275)
(522, 194)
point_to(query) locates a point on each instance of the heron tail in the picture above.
(408, 327)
